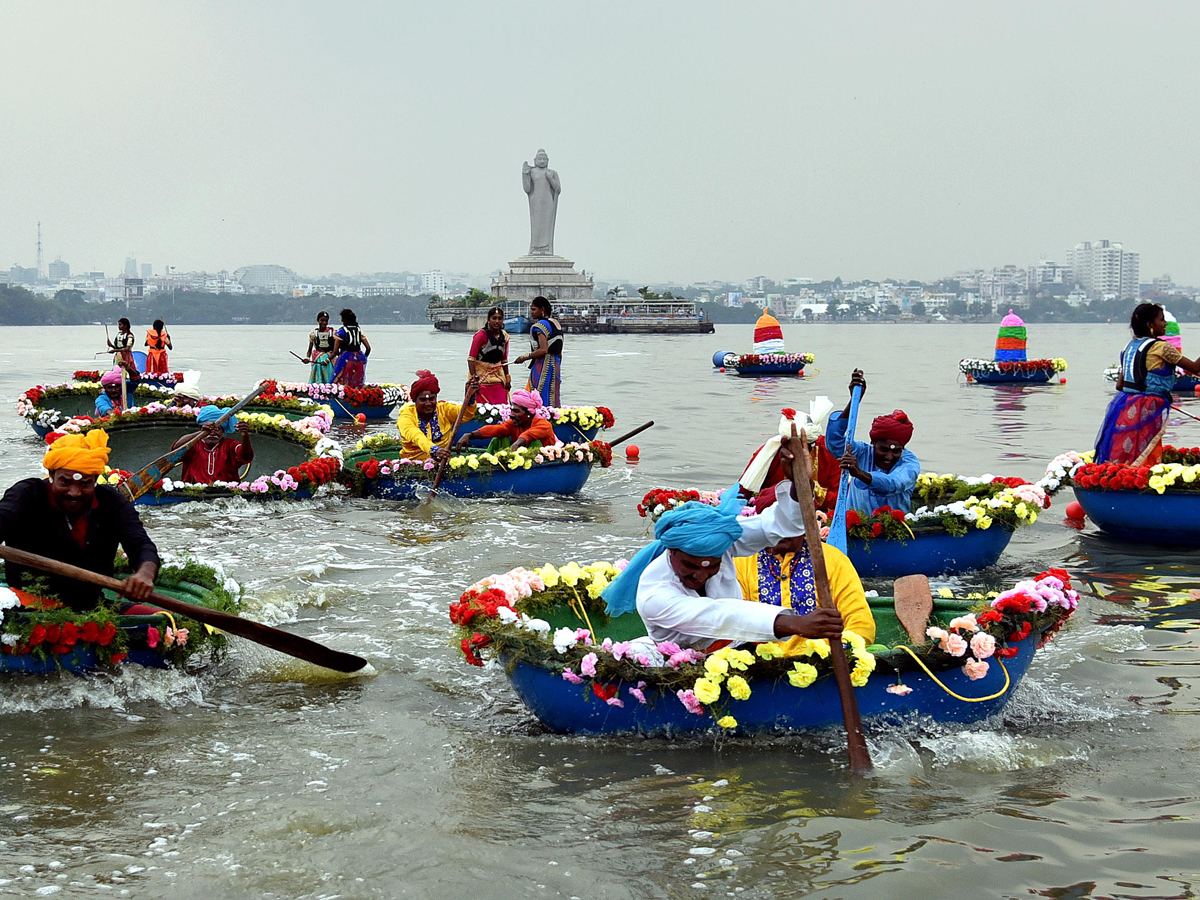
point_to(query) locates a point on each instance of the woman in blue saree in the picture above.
(1136, 419)
(545, 355)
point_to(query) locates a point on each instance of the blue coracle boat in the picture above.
(774, 705)
(935, 553)
(1170, 518)
(1040, 376)
(725, 359)
(547, 478)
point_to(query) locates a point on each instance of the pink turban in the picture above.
(113, 377)
(895, 427)
(426, 381)
(530, 400)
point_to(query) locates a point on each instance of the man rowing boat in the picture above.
(217, 456)
(69, 518)
(685, 585)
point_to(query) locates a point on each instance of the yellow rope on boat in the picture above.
(578, 608)
(937, 681)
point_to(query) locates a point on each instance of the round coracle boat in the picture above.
(561, 469)
(48, 408)
(581, 672)
(291, 459)
(372, 401)
(759, 365)
(1157, 504)
(1030, 371)
(1185, 382)
(571, 423)
(957, 524)
(40, 641)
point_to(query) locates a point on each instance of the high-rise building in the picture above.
(1106, 268)
(433, 282)
(147, 270)
(59, 270)
(131, 270)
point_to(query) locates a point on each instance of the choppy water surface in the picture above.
(430, 780)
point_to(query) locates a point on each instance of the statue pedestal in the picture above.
(552, 277)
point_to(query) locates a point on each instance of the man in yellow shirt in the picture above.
(426, 422)
(783, 576)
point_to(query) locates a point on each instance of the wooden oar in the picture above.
(623, 438)
(837, 526)
(137, 484)
(284, 642)
(124, 392)
(856, 741)
(441, 470)
(1180, 410)
(299, 357)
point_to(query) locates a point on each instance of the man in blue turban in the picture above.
(216, 456)
(684, 585)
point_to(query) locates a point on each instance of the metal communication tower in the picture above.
(39, 252)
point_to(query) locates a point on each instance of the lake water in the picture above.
(257, 779)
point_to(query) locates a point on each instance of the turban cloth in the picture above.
(530, 400)
(813, 426)
(84, 453)
(211, 413)
(695, 528)
(113, 377)
(895, 427)
(190, 386)
(426, 381)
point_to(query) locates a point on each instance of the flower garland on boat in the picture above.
(1179, 473)
(948, 503)
(583, 417)
(171, 379)
(470, 462)
(26, 631)
(383, 394)
(504, 612)
(306, 431)
(737, 361)
(1012, 367)
(35, 403)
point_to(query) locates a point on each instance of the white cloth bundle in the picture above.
(190, 386)
(813, 426)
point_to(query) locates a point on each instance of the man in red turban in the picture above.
(884, 472)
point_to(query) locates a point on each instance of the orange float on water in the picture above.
(722, 369)
(632, 451)
(361, 418)
(1063, 380)
(1075, 510)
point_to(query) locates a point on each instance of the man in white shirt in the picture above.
(685, 586)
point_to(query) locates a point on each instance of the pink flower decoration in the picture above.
(975, 669)
(675, 660)
(181, 637)
(688, 699)
(638, 693)
(570, 676)
(644, 661)
(588, 665)
(983, 645)
(955, 645)
(151, 637)
(936, 634)
(668, 648)
(168, 637)
(615, 701)
(900, 689)
(429, 464)
(620, 650)
(965, 623)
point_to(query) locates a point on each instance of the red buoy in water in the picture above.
(1063, 380)
(632, 451)
(1075, 510)
(361, 418)
(722, 369)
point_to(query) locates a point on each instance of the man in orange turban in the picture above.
(69, 518)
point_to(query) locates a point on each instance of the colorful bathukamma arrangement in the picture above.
(1010, 365)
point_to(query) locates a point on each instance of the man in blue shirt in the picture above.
(883, 472)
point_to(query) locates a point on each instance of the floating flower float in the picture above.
(38, 641)
(165, 379)
(292, 459)
(1010, 365)
(758, 365)
(374, 401)
(581, 672)
(561, 469)
(1158, 504)
(958, 524)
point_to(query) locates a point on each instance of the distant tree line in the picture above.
(21, 307)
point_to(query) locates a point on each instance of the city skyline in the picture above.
(694, 141)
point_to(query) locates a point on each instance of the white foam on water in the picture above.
(170, 688)
(997, 751)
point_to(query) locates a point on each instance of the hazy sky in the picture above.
(694, 140)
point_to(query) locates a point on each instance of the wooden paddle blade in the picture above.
(914, 605)
(284, 642)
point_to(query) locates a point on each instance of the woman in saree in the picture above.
(321, 342)
(488, 359)
(545, 357)
(351, 366)
(1136, 419)
(121, 346)
(158, 342)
